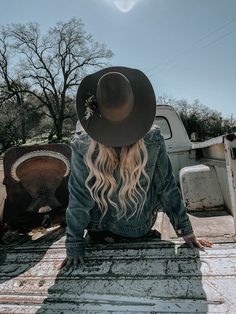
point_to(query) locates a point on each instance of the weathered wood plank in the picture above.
(153, 276)
(123, 304)
(152, 265)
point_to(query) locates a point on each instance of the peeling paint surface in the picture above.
(151, 276)
(155, 275)
(206, 195)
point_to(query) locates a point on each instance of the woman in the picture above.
(120, 171)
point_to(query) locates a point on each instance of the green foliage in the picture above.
(15, 125)
(10, 134)
(199, 119)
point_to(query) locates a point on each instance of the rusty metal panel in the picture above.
(35, 184)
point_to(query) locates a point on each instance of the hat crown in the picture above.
(116, 106)
(115, 96)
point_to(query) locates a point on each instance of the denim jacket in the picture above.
(83, 213)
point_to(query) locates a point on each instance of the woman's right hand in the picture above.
(71, 263)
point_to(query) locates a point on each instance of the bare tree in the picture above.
(164, 99)
(53, 64)
(11, 87)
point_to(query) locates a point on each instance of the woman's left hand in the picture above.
(193, 241)
(71, 263)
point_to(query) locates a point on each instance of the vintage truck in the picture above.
(158, 274)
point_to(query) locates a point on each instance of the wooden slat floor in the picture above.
(150, 276)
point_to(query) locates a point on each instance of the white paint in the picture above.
(150, 277)
(200, 188)
(231, 172)
(179, 140)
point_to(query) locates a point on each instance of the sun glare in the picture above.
(122, 5)
(125, 5)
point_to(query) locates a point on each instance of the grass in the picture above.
(43, 139)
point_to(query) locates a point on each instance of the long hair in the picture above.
(129, 161)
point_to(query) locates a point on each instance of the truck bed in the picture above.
(155, 275)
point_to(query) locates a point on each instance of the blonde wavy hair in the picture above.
(130, 162)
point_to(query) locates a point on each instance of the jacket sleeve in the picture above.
(170, 196)
(80, 204)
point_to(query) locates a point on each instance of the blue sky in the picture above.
(186, 47)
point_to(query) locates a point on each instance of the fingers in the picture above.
(63, 263)
(109, 240)
(193, 241)
(198, 244)
(71, 262)
(75, 263)
(201, 243)
(205, 242)
(68, 264)
(81, 260)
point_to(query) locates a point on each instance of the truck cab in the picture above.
(205, 173)
(178, 145)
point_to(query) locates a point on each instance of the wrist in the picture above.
(190, 235)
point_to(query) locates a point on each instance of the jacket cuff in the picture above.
(180, 232)
(75, 249)
(188, 235)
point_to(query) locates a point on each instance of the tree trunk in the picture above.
(23, 131)
(59, 127)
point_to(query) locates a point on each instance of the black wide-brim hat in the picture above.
(90, 102)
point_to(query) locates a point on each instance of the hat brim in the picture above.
(135, 126)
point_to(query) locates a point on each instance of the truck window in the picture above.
(163, 123)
